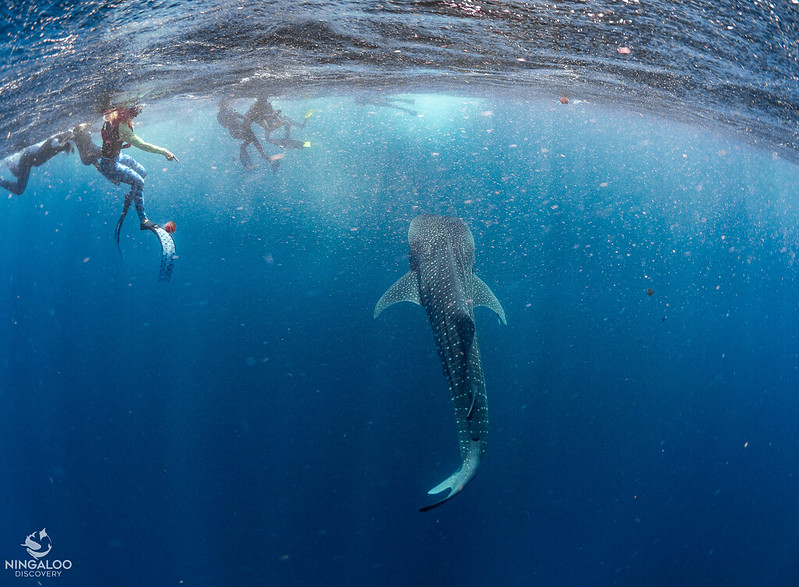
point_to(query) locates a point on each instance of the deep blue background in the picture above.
(251, 423)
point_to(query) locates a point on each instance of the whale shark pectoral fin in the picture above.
(483, 296)
(459, 479)
(405, 289)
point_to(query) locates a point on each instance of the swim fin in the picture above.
(288, 143)
(168, 255)
(119, 226)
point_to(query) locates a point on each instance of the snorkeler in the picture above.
(19, 164)
(264, 115)
(386, 102)
(233, 122)
(119, 167)
(88, 151)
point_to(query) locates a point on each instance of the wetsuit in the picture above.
(88, 151)
(119, 167)
(262, 114)
(18, 165)
(235, 125)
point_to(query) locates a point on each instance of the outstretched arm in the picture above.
(127, 135)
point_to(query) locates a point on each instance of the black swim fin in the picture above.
(119, 226)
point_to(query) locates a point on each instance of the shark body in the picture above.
(441, 279)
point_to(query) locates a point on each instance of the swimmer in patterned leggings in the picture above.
(119, 167)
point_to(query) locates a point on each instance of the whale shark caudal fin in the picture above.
(459, 479)
(406, 289)
(483, 296)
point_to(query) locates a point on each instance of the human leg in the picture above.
(244, 157)
(15, 173)
(117, 172)
(130, 162)
(15, 186)
(256, 143)
(136, 191)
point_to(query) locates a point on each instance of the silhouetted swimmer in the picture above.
(386, 102)
(264, 115)
(237, 127)
(15, 169)
(89, 152)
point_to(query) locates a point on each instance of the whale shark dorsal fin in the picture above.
(406, 289)
(483, 296)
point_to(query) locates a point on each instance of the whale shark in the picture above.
(441, 280)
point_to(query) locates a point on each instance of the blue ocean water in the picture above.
(249, 422)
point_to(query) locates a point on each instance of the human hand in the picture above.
(171, 157)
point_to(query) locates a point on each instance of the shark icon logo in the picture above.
(38, 544)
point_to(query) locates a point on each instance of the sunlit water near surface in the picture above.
(720, 62)
(250, 422)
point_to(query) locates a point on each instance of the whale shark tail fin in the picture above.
(459, 479)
